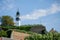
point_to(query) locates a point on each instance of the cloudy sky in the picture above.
(45, 12)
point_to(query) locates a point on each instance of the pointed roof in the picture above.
(17, 13)
(52, 30)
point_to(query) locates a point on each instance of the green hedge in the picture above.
(24, 27)
(49, 36)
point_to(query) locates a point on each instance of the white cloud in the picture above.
(42, 12)
(54, 8)
(7, 5)
(10, 6)
(35, 15)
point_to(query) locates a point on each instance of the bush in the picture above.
(25, 27)
(3, 33)
(49, 36)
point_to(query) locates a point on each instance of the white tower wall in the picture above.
(18, 23)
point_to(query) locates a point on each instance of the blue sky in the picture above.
(45, 12)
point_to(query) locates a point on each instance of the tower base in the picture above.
(18, 23)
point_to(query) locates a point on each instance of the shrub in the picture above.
(3, 33)
(49, 36)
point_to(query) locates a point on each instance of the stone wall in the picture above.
(4, 38)
(18, 36)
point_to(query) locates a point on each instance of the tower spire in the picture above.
(18, 18)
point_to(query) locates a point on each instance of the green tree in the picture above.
(7, 21)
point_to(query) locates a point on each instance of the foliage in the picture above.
(9, 27)
(3, 33)
(25, 27)
(7, 20)
(48, 36)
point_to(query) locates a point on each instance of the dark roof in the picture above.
(37, 29)
(52, 30)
